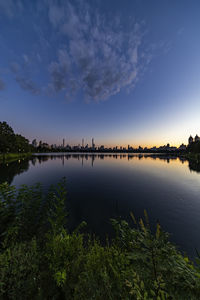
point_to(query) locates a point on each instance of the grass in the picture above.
(10, 157)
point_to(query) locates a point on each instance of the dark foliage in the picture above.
(194, 147)
(40, 259)
(11, 142)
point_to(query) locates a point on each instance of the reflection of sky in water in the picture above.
(102, 186)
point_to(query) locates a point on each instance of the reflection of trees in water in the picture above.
(194, 166)
(42, 158)
(9, 170)
(86, 156)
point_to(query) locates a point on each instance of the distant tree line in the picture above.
(11, 142)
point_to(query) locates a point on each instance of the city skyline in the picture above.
(89, 143)
(122, 73)
(91, 146)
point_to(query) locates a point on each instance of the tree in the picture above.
(11, 142)
(7, 137)
(21, 143)
(194, 147)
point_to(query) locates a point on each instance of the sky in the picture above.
(123, 72)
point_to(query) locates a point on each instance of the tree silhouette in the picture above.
(11, 142)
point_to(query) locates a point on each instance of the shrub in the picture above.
(40, 259)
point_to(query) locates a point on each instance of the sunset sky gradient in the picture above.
(123, 72)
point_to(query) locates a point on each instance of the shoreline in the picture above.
(10, 157)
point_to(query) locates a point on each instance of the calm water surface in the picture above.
(101, 187)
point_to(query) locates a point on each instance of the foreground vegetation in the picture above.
(40, 259)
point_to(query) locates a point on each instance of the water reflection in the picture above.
(103, 186)
(9, 170)
(92, 157)
(194, 166)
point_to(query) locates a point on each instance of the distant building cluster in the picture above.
(92, 147)
(44, 145)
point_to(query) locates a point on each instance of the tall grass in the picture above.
(40, 259)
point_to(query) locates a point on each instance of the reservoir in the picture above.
(104, 186)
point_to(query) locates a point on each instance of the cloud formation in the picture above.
(28, 85)
(23, 78)
(84, 51)
(99, 56)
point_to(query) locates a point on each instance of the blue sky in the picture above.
(123, 72)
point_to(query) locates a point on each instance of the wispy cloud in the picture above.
(84, 51)
(23, 78)
(99, 53)
(28, 85)
(60, 71)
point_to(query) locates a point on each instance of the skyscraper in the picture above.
(93, 145)
(63, 143)
(82, 143)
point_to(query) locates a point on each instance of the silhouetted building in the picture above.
(93, 144)
(197, 138)
(190, 140)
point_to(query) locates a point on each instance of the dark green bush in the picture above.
(19, 271)
(40, 259)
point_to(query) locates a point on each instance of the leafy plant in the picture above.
(41, 259)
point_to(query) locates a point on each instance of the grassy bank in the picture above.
(10, 157)
(41, 259)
